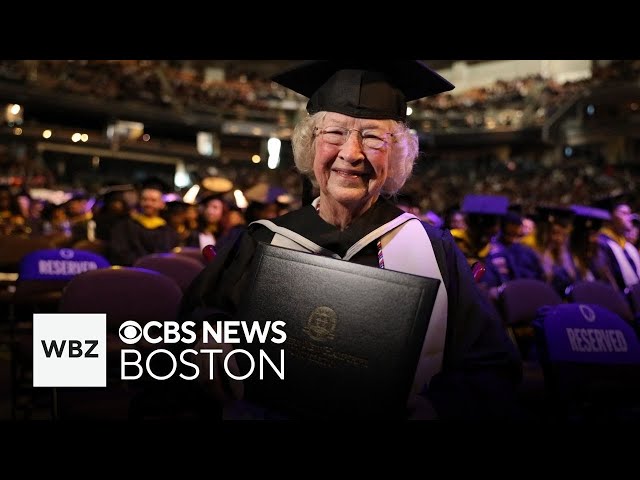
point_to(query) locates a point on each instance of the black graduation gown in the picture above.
(130, 241)
(481, 366)
(610, 264)
(505, 263)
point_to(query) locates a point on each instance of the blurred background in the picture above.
(509, 127)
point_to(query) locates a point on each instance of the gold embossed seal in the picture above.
(321, 324)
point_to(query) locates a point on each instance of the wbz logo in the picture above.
(69, 350)
(74, 349)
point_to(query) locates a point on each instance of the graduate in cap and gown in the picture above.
(357, 150)
(145, 231)
(620, 256)
(591, 262)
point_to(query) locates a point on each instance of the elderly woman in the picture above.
(358, 152)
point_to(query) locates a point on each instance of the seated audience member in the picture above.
(589, 259)
(213, 209)
(55, 223)
(12, 222)
(144, 231)
(559, 266)
(483, 214)
(455, 220)
(528, 232)
(620, 255)
(233, 224)
(175, 213)
(512, 260)
(80, 216)
(112, 209)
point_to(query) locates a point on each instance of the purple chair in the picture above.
(42, 277)
(603, 294)
(123, 293)
(191, 252)
(95, 246)
(519, 301)
(181, 268)
(43, 274)
(591, 362)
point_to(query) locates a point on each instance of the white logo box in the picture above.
(76, 343)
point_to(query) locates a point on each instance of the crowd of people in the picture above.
(558, 245)
(128, 223)
(518, 103)
(125, 223)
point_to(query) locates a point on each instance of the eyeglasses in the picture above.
(373, 139)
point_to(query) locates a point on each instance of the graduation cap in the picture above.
(485, 204)
(611, 202)
(23, 193)
(76, 195)
(113, 193)
(363, 88)
(432, 218)
(546, 217)
(512, 217)
(115, 189)
(593, 213)
(589, 218)
(176, 207)
(553, 214)
(154, 183)
(451, 209)
(79, 195)
(206, 198)
(516, 208)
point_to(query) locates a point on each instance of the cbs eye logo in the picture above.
(130, 332)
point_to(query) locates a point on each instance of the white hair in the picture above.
(403, 152)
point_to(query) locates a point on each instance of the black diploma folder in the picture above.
(354, 335)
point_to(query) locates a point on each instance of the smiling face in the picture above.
(351, 174)
(151, 202)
